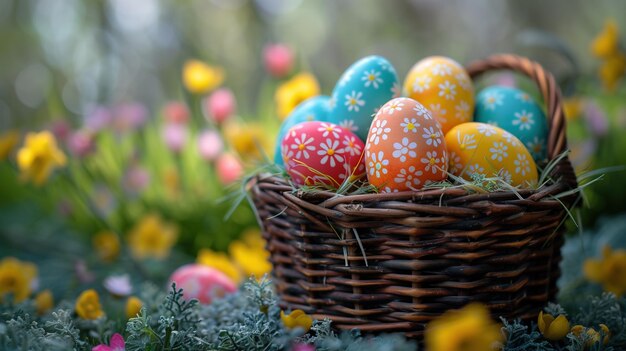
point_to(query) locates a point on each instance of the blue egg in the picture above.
(362, 89)
(516, 112)
(313, 109)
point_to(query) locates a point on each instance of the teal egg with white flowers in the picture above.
(316, 108)
(362, 89)
(516, 112)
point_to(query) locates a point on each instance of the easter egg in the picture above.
(202, 282)
(362, 89)
(405, 147)
(322, 153)
(516, 112)
(443, 86)
(480, 148)
(313, 109)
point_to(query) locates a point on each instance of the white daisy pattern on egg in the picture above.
(431, 160)
(492, 100)
(432, 136)
(328, 128)
(379, 131)
(302, 146)
(523, 97)
(463, 81)
(487, 130)
(467, 141)
(354, 101)
(396, 90)
(378, 164)
(462, 110)
(409, 177)
(393, 106)
(510, 138)
(439, 112)
(346, 77)
(475, 169)
(421, 84)
(455, 163)
(389, 190)
(404, 148)
(447, 90)
(522, 165)
(371, 78)
(422, 111)
(329, 152)
(350, 145)
(348, 124)
(410, 125)
(536, 146)
(441, 69)
(524, 120)
(498, 151)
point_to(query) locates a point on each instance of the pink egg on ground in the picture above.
(202, 282)
(322, 153)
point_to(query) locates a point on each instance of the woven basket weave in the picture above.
(392, 262)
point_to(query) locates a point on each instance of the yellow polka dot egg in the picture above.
(480, 148)
(443, 86)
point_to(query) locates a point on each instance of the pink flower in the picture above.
(220, 105)
(61, 129)
(176, 112)
(118, 285)
(229, 169)
(130, 116)
(136, 179)
(82, 272)
(80, 143)
(303, 347)
(98, 118)
(506, 79)
(115, 344)
(596, 120)
(278, 60)
(210, 145)
(175, 136)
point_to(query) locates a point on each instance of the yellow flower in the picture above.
(251, 260)
(221, 262)
(612, 70)
(200, 78)
(591, 335)
(44, 301)
(133, 306)
(8, 140)
(16, 278)
(551, 328)
(88, 305)
(296, 319)
(39, 156)
(249, 141)
(152, 237)
(252, 237)
(467, 329)
(606, 44)
(292, 92)
(572, 107)
(610, 271)
(107, 245)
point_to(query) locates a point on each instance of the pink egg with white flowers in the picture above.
(322, 153)
(202, 282)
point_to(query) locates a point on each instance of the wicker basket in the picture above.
(392, 262)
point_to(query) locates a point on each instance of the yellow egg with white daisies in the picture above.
(443, 86)
(480, 148)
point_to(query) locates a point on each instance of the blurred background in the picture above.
(158, 106)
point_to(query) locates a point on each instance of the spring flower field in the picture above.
(129, 129)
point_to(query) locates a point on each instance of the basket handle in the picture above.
(551, 93)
